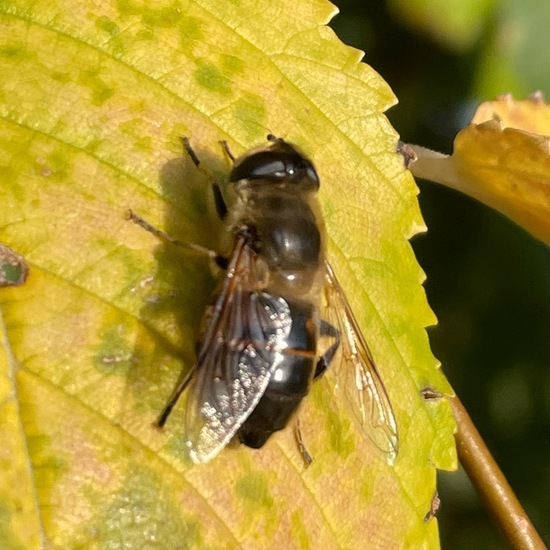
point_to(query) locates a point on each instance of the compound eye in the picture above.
(280, 163)
(263, 165)
(269, 168)
(312, 175)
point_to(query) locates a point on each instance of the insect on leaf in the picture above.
(94, 99)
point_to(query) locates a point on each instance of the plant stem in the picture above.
(491, 484)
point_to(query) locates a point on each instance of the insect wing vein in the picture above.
(242, 346)
(362, 384)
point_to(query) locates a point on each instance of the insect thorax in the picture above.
(290, 236)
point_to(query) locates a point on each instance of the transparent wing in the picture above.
(243, 344)
(360, 379)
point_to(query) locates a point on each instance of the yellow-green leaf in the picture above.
(93, 101)
(501, 159)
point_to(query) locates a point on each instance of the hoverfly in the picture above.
(259, 352)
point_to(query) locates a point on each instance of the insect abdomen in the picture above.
(290, 382)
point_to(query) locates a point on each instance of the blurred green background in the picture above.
(488, 281)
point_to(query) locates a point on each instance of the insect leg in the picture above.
(227, 150)
(326, 329)
(174, 399)
(308, 459)
(192, 155)
(221, 207)
(221, 261)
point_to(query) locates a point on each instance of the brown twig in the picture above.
(491, 484)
